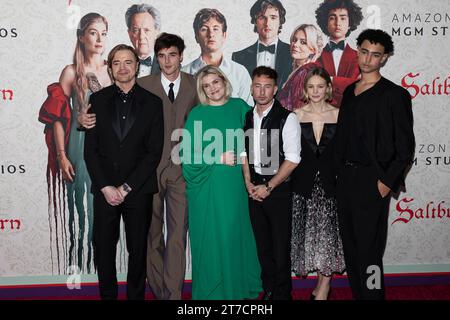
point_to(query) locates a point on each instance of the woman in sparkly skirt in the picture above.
(316, 243)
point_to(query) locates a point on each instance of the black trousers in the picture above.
(363, 221)
(136, 213)
(271, 221)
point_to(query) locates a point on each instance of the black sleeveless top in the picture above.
(315, 157)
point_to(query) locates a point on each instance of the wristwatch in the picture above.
(268, 188)
(126, 187)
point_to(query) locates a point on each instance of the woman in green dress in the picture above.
(223, 250)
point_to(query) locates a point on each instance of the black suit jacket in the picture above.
(283, 61)
(112, 158)
(386, 114)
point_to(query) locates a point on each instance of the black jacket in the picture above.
(283, 61)
(113, 159)
(388, 136)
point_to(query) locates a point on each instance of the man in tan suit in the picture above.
(166, 262)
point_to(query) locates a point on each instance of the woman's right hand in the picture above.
(85, 119)
(66, 167)
(228, 158)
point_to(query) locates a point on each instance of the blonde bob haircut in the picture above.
(207, 70)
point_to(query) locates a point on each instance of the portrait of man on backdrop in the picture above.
(337, 19)
(144, 24)
(210, 28)
(268, 17)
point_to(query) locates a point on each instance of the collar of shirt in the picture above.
(275, 42)
(147, 61)
(124, 96)
(266, 58)
(256, 115)
(224, 64)
(145, 70)
(166, 82)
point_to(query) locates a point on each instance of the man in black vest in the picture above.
(273, 151)
(122, 152)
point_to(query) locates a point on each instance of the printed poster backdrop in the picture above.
(45, 226)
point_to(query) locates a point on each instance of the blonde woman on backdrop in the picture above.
(306, 47)
(65, 113)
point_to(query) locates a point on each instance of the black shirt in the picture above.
(355, 149)
(123, 102)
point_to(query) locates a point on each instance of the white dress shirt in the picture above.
(266, 58)
(235, 72)
(166, 82)
(145, 70)
(291, 138)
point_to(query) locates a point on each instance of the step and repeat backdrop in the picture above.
(46, 224)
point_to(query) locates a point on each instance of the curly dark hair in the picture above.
(260, 6)
(377, 36)
(354, 14)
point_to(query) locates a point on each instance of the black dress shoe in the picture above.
(267, 295)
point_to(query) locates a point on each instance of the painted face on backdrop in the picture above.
(299, 47)
(143, 33)
(316, 89)
(263, 89)
(94, 38)
(371, 56)
(338, 24)
(124, 66)
(268, 24)
(210, 36)
(169, 60)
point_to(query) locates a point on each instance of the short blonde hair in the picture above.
(207, 70)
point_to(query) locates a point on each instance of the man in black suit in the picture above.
(122, 153)
(374, 146)
(268, 17)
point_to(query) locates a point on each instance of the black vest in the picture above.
(271, 141)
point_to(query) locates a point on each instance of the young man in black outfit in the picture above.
(375, 144)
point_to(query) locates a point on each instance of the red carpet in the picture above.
(435, 292)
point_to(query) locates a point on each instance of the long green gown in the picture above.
(223, 250)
